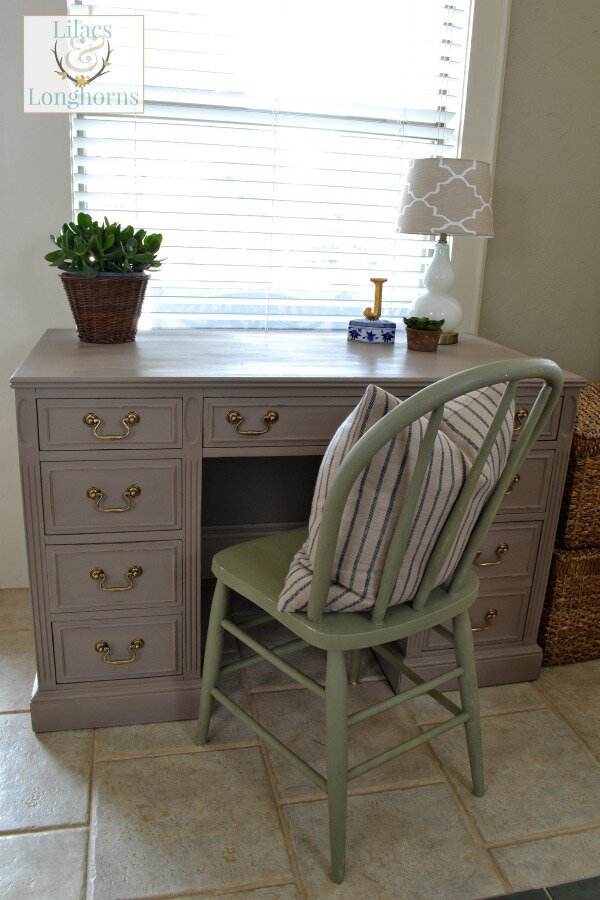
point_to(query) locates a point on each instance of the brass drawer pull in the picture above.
(521, 418)
(99, 575)
(513, 484)
(134, 645)
(94, 421)
(501, 549)
(236, 418)
(129, 493)
(489, 619)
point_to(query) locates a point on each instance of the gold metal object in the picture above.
(99, 575)
(449, 337)
(236, 418)
(520, 418)
(134, 645)
(94, 421)
(375, 313)
(501, 549)
(513, 484)
(129, 493)
(489, 620)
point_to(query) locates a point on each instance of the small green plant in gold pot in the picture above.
(423, 334)
(105, 274)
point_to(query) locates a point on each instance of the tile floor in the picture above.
(142, 812)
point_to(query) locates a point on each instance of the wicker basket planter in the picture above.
(106, 308)
(579, 524)
(570, 624)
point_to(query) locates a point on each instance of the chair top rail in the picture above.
(422, 403)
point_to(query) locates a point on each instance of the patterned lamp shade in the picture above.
(447, 195)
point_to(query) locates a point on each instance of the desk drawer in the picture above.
(95, 497)
(529, 492)
(137, 648)
(109, 424)
(523, 405)
(114, 576)
(273, 421)
(509, 552)
(495, 618)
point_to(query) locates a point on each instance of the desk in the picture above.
(113, 525)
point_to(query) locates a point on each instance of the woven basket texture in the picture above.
(579, 524)
(570, 624)
(106, 308)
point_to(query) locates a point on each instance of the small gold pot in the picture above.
(426, 341)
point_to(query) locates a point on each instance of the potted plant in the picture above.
(423, 334)
(104, 276)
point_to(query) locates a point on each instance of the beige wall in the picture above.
(34, 201)
(541, 291)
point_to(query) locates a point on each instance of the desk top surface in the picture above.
(247, 357)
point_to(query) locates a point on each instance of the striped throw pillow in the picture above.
(376, 499)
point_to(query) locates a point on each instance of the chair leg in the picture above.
(355, 661)
(336, 724)
(212, 659)
(465, 656)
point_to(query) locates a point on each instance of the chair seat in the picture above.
(257, 570)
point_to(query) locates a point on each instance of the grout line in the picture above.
(556, 709)
(490, 715)
(233, 888)
(91, 838)
(276, 688)
(13, 712)
(468, 818)
(91, 790)
(544, 835)
(364, 791)
(283, 822)
(178, 751)
(40, 829)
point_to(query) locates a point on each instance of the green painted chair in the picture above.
(257, 569)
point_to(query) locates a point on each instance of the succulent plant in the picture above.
(423, 324)
(89, 249)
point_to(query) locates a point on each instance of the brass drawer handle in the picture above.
(521, 418)
(236, 418)
(501, 549)
(99, 575)
(489, 619)
(134, 645)
(94, 421)
(129, 493)
(513, 484)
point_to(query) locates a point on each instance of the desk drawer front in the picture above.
(523, 405)
(273, 421)
(529, 493)
(96, 497)
(114, 576)
(137, 648)
(495, 618)
(109, 424)
(509, 551)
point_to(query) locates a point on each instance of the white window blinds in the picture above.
(272, 150)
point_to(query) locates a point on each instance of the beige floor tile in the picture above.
(165, 737)
(44, 778)
(17, 669)
(492, 700)
(553, 860)
(309, 660)
(48, 865)
(15, 608)
(188, 822)
(406, 845)
(297, 718)
(539, 778)
(576, 692)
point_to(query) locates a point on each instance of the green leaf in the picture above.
(84, 220)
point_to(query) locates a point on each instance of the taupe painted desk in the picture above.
(114, 526)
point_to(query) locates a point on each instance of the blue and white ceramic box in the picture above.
(377, 331)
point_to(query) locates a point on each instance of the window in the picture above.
(272, 151)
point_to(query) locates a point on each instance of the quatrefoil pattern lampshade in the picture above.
(447, 195)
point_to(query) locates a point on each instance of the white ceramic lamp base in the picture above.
(437, 302)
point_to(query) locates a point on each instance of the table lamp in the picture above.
(445, 196)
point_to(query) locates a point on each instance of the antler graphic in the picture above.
(81, 80)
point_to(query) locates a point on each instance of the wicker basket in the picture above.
(570, 625)
(579, 524)
(106, 308)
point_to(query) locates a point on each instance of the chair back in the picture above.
(430, 402)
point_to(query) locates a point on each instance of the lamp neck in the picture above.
(443, 238)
